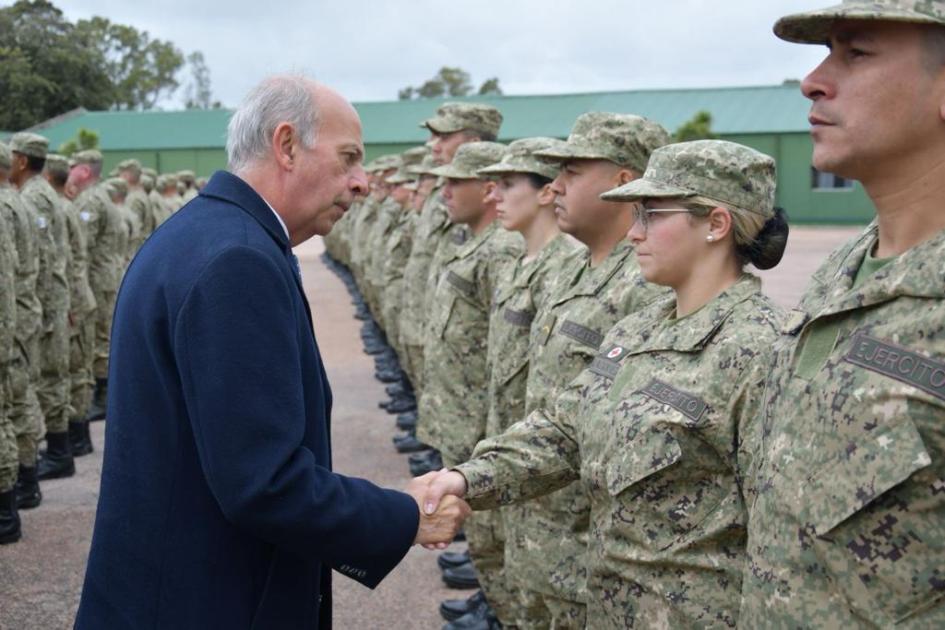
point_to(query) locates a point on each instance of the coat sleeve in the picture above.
(238, 351)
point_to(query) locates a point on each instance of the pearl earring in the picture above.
(710, 238)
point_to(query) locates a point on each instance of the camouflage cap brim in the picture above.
(573, 151)
(400, 178)
(519, 164)
(441, 124)
(646, 189)
(450, 171)
(813, 27)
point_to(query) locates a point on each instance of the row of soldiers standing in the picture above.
(450, 299)
(66, 237)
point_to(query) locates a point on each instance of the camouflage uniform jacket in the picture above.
(413, 324)
(82, 300)
(848, 525)
(52, 284)
(652, 430)
(105, 228)
(8, 280)
(396, 254)
(387, 216)
(564, 339)
(137, 202)
(23, 220)
(157, 209)
(453, 406)
(362, 228)
(521, 293)
(132, 234)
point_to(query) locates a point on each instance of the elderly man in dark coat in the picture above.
(218, 506)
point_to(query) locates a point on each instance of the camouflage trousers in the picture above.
(9, 454)
(105, 301)
(81, 355)
(24, 410)
(541, 568)
(52, 387)
(484, 532)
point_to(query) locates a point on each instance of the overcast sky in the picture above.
(370, 49)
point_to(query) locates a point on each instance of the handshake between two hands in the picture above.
(442, 510)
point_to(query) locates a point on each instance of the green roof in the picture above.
(738, 110)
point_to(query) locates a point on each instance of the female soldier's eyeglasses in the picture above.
(643, 214)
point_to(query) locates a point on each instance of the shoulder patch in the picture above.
(899, 363)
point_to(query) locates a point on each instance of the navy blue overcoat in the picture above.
(218, 506)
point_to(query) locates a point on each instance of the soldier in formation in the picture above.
(65, 240)
(667, 447)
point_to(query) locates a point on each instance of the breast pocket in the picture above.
(875, 519)
(662, 485)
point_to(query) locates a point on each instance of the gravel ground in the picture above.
(41, 576)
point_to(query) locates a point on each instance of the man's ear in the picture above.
(285, 145)
(625, 176)
(487, 187)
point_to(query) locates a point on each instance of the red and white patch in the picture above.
(616, 352)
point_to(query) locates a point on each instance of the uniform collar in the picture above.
(589, 280)
(919, 272)
(692, 333)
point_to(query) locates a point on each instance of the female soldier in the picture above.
(524, 204)
(658, 427)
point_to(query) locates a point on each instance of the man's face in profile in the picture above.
(877, 97)
(330, 175)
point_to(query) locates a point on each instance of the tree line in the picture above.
(49, 66)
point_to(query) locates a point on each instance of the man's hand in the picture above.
(438, 525)
(445, 482)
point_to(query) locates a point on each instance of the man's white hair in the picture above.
(278, 99)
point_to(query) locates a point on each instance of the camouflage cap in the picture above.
(723, 171)
(150, 172)
(813, 27)
(521, 158)
(471, 157)
(57, 164)
(410, 157)
(116, 186)
(168, 179)
(130, 165)
(425, 167)
(89, 156)
(187, 176)
(384, 163)
(147, 182)
(476, 117)
(30, 144)
(6, 159)
(624, 139)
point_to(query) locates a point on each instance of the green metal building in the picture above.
(772, 119)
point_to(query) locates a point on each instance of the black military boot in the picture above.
(57, 461)
(9, 518)
(407, 421)
(99, 398)
(28, 494)
(453, 609)
(80, 439)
